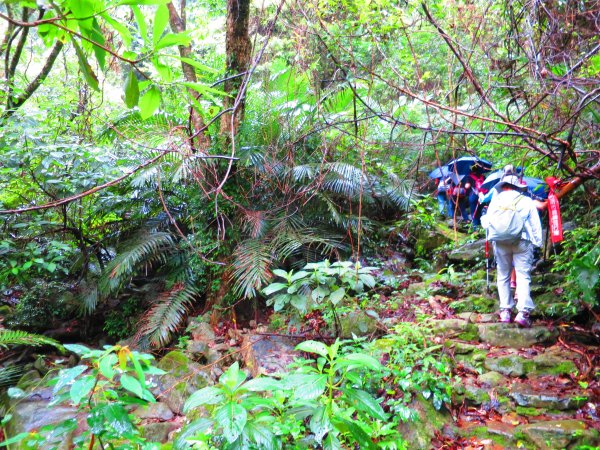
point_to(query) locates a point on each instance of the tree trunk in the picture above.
(199, 141)
(239, 52)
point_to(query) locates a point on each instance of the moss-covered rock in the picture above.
(183, 377)
(511, 365)
(458, 328)
(419, 433)
(526, 395)
(557, 434)
(509, 335)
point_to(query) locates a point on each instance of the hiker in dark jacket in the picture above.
(516, 253)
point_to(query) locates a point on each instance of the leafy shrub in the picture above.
(580, 259)
(103, 386)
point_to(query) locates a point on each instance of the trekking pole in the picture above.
(487, 262)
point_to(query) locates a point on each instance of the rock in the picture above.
(158, 431)
(476, 394)
(509, 335)
(475, 303)
(158, 410)
(263, 354)
(510, 365)
(491, 379)
(471, 251)
(556, 434)
(473, 361)
(418, 433)
(183, 378)
(201, 330)
(358, 323)
(526, 395)
(32, 412)
(198, 350)
(554, 361)
(458, 328)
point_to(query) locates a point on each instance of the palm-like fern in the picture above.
(9, 375)
(18, 337)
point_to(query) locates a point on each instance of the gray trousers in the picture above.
(520, 256)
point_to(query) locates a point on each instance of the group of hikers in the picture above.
(509, 215)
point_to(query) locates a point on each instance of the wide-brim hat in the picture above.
(513, 181)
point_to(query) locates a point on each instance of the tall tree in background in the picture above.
(239, 52)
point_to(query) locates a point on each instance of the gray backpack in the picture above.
(505, 223)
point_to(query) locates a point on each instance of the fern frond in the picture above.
(10, 375)
(143, 251)
(152, 131)
(18, 337)
(162, 320)
(251, 267)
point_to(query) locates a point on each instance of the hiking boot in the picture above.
(505, 316)
(523, 319)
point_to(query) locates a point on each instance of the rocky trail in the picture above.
(535, 388)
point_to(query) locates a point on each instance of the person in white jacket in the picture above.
(516, 254)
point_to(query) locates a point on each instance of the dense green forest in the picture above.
(165, 164)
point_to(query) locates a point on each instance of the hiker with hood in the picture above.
(513, 225)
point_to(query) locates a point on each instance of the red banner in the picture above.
(556, 230)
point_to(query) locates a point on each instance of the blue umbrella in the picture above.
(440, 172)
(466, 164)
(536, 187)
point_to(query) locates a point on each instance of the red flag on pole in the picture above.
(556, 230)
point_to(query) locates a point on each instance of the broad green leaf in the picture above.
(132, 90)
(313, 347)
(85, 67)
(121, 29)
(320, 424)
(205, 89)
(140, 20)
(117, 420)
(172, 39)
(96, 35)
(149, 102)
(281, 273)
(263, 384)
(274, 287)
(354, 429)
(81, 388)
(77, 349)
(209, 395)
(106, 365)
(279, 301)
(199, 66)
(331, 442)
(233, 378)
(131, 384)
(161, 19)
(359, 360)
(198, 426)
(300, 302)
(306, 386)
(163, 70)
(66, 376)
(337, 295)
(13, 440)
(232, 418)
(299, 275)
(364, 402)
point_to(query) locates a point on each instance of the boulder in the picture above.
(560, 434)
(358, 323)
(420, 432)
(526, 395)
(267, 354)
(510, 365)
(509, 335)
(182, 378)
(471, 251)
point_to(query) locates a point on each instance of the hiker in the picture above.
(476, 179)
(459, 199)
(513, 225)
(443, 184)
